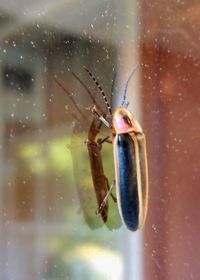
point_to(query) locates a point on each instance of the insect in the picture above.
(94, 146)
(130, 161)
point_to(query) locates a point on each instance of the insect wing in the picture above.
(128, 179)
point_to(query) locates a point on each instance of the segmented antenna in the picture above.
(101, 90)
(127, 83)
(71, 98)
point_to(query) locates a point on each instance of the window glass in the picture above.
(49, 226)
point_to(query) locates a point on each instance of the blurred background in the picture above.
(48, 226)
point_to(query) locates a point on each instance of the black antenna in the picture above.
(127, 83)
(72, 99)
(101, 90)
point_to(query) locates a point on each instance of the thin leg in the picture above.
(112, 195)
(103, 204)
(99, 142)
(101, 118)
(106, 139)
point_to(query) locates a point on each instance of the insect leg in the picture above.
(98, 115)
(106, 139)
(112, 195)
(103, 204)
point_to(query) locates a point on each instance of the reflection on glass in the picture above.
(48, 225)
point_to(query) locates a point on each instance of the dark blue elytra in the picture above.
(128, 186)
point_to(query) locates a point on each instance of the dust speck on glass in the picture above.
(49, 228)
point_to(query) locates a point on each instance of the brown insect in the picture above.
(94, 147)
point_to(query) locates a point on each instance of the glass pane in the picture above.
(48, 222)
(53, 145)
